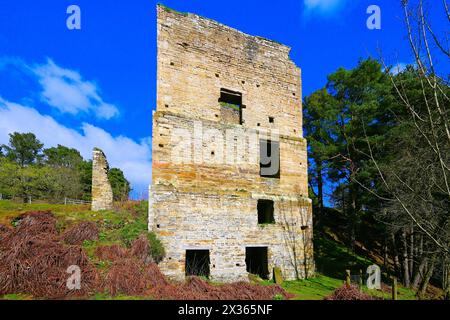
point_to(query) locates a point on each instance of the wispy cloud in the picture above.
(67, 91)
(134, 158)
(398, 68)
(6, 61)
(322, 7)
(64, 89)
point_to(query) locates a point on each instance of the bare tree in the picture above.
(417, 181)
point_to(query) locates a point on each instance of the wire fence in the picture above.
(66, 201)
(75, 201)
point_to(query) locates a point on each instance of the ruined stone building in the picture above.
(102, 194)
(228, 111)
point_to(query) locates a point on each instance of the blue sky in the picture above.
(97, 86)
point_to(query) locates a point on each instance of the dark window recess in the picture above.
(271, 120)
(231, 106)
(197, 263)
(231, 97)
(269, 152)
(257, 261)
(265, 211)
(304, 228)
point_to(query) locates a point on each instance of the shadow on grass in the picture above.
(332, 258)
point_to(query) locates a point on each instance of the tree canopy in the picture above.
(27, 169)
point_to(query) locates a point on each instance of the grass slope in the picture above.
(121, 226)
(129, 221)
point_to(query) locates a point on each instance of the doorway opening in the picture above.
(257, 261)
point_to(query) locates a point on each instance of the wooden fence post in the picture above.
(360, 282)
(394, 288)
(347, 278)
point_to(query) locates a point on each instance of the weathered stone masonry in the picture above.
(102, 195)
(208, 205)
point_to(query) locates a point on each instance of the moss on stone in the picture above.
(230, 105)
(166, 8)
(277, 276)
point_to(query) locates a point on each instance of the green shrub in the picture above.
(156, 247)
(132, 230)
(278, 297)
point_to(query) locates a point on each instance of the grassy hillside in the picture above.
(121, 226)
(128, 221)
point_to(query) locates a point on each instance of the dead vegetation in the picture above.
(140, 249)
(198, 289)
(34, 258)
(351, 292)
(125, 277)
(111, 253)
(4, 231)
(86, 230)
(133, 273)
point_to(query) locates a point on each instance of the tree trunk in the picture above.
(426, 278)
(411, 253)
(405, 262)
(395, 256)
(353, 217)
(385, 251)
(446, 277)
(320, 187)
(419, 273)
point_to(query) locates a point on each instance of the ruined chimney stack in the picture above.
(102, 195)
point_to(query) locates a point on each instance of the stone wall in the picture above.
(102, 195)
(206, 164)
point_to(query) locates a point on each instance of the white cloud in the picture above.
(323, 7)
(397, 68)
(134, 158)
(64, 89)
